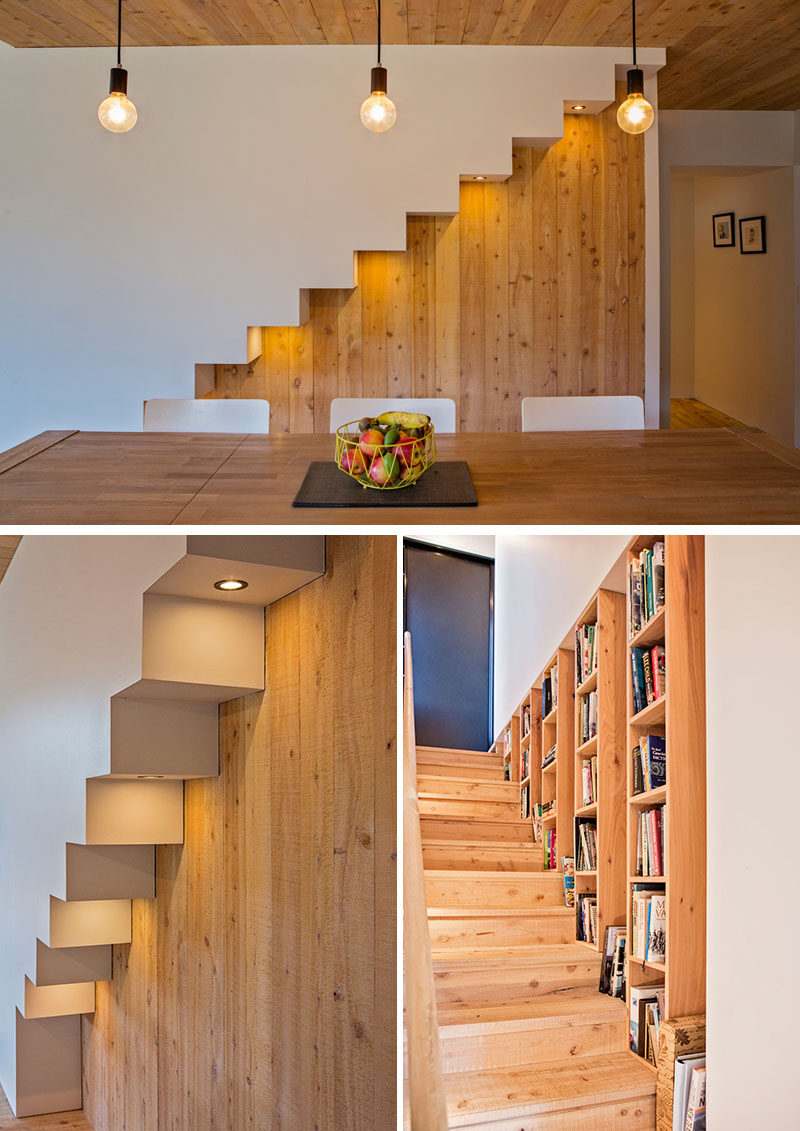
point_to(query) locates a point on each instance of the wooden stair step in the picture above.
(585, 1094)
(586, 1024)
(460, 926)
(453, 753)
(484, 889)
(475, 976)
(499, 856)
(438, 785)
(473, 809)
(488, 772)
(475, 829)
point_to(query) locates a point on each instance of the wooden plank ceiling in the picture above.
(722, 54)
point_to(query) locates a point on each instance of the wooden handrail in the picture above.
(425, 1085)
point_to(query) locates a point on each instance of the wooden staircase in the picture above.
(527, 1042)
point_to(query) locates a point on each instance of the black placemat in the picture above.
(446, 484)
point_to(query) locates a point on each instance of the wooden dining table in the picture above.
(713, 476)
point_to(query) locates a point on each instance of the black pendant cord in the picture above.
(633, 23)
(379, 31)
(119, 33)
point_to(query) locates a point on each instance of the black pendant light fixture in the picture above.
(635, 115)
(117, 113)
(378, 112)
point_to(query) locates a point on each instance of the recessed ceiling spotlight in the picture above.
(230, 584)
(479, 178)
(150, 777)
(579, 106)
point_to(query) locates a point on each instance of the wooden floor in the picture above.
(527, 1041)
(686, 412)
(64, 1120)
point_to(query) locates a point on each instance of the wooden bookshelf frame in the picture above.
(606, 610)
(680, 715)
(558, 780)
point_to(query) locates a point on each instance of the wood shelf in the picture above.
(589, 684)
(587, 810)
(525, 781)
(588, 945)
(593, 873)
(550, 720)
(679, 717)
(649, 797)
(654, 714)
(548, 820)
(587, 748)
(651, 633)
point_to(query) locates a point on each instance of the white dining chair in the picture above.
(165, 415)
(581, 414)
(441, 410)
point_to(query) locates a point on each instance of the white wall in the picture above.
(752, 622)
(59, 663)
(745, 304)
(127, 259)
(682, 292)
(542, 582)
(705, 142)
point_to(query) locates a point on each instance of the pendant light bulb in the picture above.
(635, 114)
(117, 113)
(378, 112)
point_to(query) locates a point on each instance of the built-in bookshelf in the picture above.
(524, 771)
(599, 776)
(556, 684)
(665, 774)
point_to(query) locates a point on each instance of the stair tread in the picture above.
(511, 956)
(573, 1007)
(506, 845)
(500, 912)
(533, 1089)
(511, 786)
(452, 875)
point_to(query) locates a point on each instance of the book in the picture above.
(658, 664)
(682, 1084)
(525, 802)
(650, 855)
(639, 997)
(637, 678)
(568, 864)
(648, 917)
(550, 858)
(653, 749)
(586, 917)
(536, 817)
(618, 973)
(589, 781)
(586, 840)
(638, 775)
(657, 928)
(696, 1110)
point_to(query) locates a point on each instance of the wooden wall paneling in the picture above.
(615, 225)
(544, 173)
(350, 379)
(400, 326)
(636, 263)
(260, 987)
(326, 355)
(301, 378)
(447, 303)
(422, 245)
(568, 206)
(496, 292)
(275, 365)
(372, 284)
(471, 247)
(520, 283)
(592, 185)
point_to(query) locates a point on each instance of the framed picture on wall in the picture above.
(724, 230)
(753, 235)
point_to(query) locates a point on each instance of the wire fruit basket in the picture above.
(386, 452)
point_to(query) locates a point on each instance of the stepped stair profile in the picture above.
(199, 647)
(526, 1040)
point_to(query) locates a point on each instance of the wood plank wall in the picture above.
(259, 990)
(536, 287)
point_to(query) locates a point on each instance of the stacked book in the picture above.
(649, 763)
(650, 854)
(586, 841)
(525, 802)
(649, 675)
(586, 646)
(588, 709)
(587, 917)
(589, 781)
(648, 924)
(550, 859)
(549, 808)
(647, 1009)
(550, 691)
(612, 967)
(646, 586)
(549, 757)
